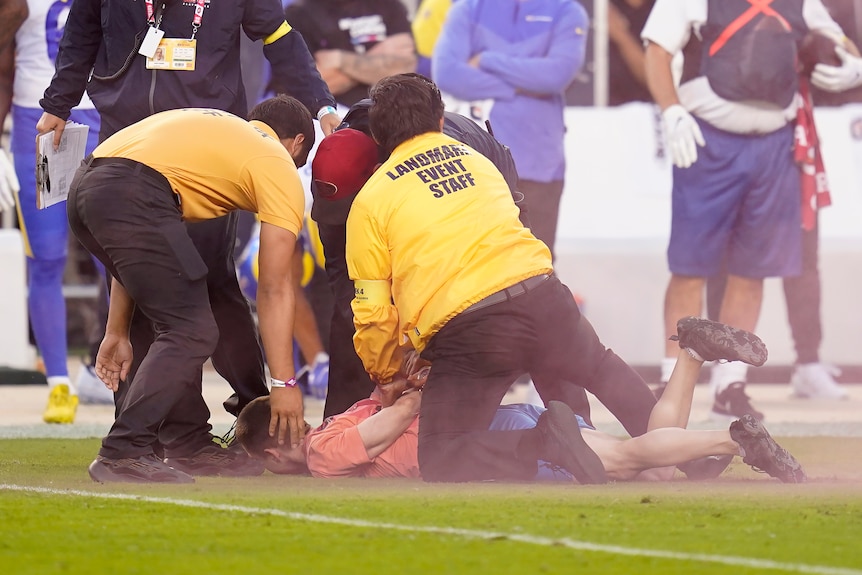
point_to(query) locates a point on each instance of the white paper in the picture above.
(56, 168)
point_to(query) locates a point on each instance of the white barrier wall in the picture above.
(15, 348)
(615, 223)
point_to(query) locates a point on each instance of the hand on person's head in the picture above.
(417, 380)
(389, 392)
(413, 362)
(328, 123)
(286, 423)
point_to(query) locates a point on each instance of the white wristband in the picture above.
(273, 383)
(324, 111)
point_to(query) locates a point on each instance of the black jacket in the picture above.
(103, 36)
(334, 236)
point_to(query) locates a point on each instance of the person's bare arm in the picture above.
(276, 305)
(659, 76)
(115, 352)
(630, 47)
(7, 76)
(394, 55)
(12, 15)
(383, 428)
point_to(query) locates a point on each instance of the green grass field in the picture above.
(53, 519)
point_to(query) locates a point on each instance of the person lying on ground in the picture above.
(374, 440)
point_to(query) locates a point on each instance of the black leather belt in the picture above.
(137, 169)
(510, 292)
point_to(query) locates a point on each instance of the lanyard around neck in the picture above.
(196, 18)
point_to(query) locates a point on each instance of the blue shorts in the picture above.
(525, 416)
(738, 207)
(45, 231)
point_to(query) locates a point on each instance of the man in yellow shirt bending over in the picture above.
(127, 205)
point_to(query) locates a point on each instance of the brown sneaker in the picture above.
(144, 469)
(762, 452)
(712, 341)
(213, 459)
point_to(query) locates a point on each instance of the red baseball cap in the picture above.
(344, 161)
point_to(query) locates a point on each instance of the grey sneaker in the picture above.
(144, 469)
(712, 341)
(763, 454)
(563, 445)
(213, 459)
(813, 381)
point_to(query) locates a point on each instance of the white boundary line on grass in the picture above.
(452, 531)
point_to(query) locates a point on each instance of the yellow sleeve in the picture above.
(428, 23)
(375, 317)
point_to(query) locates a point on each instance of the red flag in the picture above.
(806, 152)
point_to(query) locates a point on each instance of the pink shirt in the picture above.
(335, 449)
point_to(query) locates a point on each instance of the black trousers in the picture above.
(543, 207)
(801, 294)
(477, 355)
(237, 356)
(348, 380)
(126, 215)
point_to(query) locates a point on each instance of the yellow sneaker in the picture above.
(61, 405)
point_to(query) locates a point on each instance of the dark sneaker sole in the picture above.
(104, 470)
(581, 461)
(763, 453)
(708, 467)
(213, 470)
(713, 341)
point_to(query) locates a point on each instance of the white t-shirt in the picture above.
(36, 44)
(670, 25)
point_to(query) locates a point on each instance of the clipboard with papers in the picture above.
(56, 168)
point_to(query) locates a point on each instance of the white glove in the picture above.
(8, 183)
(683, 135)
(839, 78)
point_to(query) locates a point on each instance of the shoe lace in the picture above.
(227, 439)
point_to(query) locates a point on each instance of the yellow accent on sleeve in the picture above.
(280, 32)
(372, 292)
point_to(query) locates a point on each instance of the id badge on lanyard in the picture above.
(171, 53)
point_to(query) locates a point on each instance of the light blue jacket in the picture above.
(531, 50)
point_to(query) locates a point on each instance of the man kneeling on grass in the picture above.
(373, 440)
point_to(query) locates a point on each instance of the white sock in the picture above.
(56, 380)
(723, 374)
(667, 365)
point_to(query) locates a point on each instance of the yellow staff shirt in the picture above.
(216, 162)
(435, 229)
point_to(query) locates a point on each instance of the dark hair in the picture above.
(404, 106)
(287, 117)
(252, 428)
